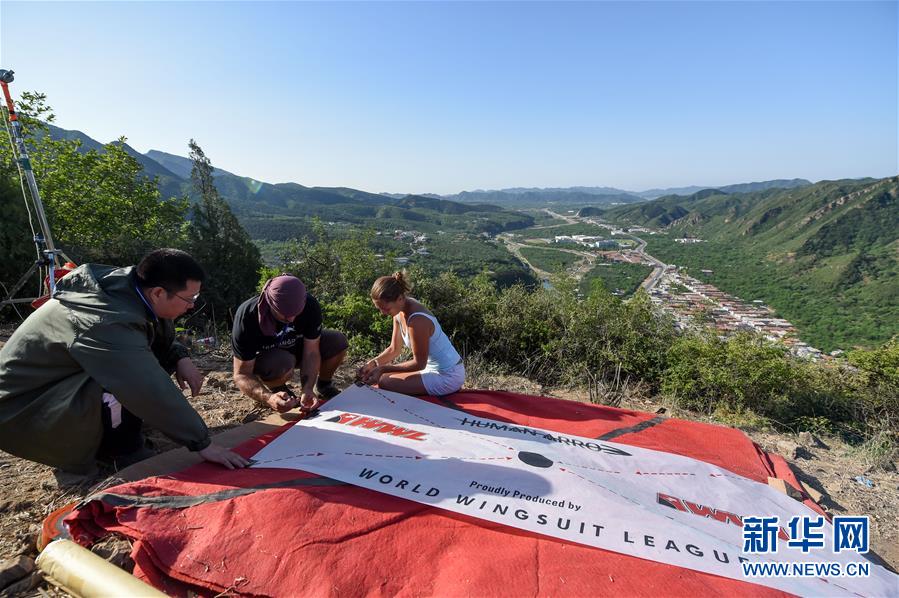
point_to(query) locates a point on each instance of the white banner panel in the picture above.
(645, 503)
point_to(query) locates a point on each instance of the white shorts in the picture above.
(445, 382)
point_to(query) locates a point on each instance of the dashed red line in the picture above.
(423, 418)
(474, 458)
(607, 489)
(385, 456)
(286, 458)
(585, 467)
(662, 473)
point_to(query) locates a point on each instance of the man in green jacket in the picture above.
(82, 373)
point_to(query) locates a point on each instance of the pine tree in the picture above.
(219, 242)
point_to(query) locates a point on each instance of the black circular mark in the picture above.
(534, 459)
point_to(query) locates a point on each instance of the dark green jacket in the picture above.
(95, 334)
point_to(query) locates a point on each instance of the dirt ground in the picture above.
(29, 493)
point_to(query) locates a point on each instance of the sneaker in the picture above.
(284, 388)
(122, 461)
(326, 390)
(68, 479)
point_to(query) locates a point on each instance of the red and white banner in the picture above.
(636, 501)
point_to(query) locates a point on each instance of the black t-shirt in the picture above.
(247, 340)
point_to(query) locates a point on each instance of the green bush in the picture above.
(549, 335)
(331, 267)
(462, 306)
(16, 243)
(354, 314)
(618, 339)
(745, 371)
(881, 365)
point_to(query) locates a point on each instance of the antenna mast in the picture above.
(48, 254)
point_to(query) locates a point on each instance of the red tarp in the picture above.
(315, 536)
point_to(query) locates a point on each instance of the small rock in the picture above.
(788, 449)
(24, 585)
(12, 570)
(802, 453)
(810, 440)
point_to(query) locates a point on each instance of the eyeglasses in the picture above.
(190, 301)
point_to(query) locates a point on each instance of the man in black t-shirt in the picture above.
(277, 332)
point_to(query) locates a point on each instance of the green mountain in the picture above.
(170, 183)
(281, 211)
(765, 185)
(522, 198)
(271, 211)
(824, 255)
(738, 188)
(444, 206)
(590, 211)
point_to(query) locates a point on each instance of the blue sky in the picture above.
(414, 97)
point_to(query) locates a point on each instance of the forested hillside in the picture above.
(824, 255)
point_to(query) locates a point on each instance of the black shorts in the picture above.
(275, 363)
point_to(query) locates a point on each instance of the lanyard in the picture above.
(147, 303)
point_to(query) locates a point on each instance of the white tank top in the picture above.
(441, 353)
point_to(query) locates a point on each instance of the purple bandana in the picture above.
(287, 295)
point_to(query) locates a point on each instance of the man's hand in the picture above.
(282, 402)
(219, 454)
(187, 374)
(308, 400)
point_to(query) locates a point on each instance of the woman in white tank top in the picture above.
(435, 368)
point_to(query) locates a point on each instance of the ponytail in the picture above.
(391, 288)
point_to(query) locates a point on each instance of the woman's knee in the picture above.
(391, 382)
(384, 381)
(402, 383)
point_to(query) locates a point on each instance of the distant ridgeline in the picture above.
(274, 212)
(576, 197)
(823, 255)
(447, 235)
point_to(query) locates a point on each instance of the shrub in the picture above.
(745, 371)
(880, 365)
